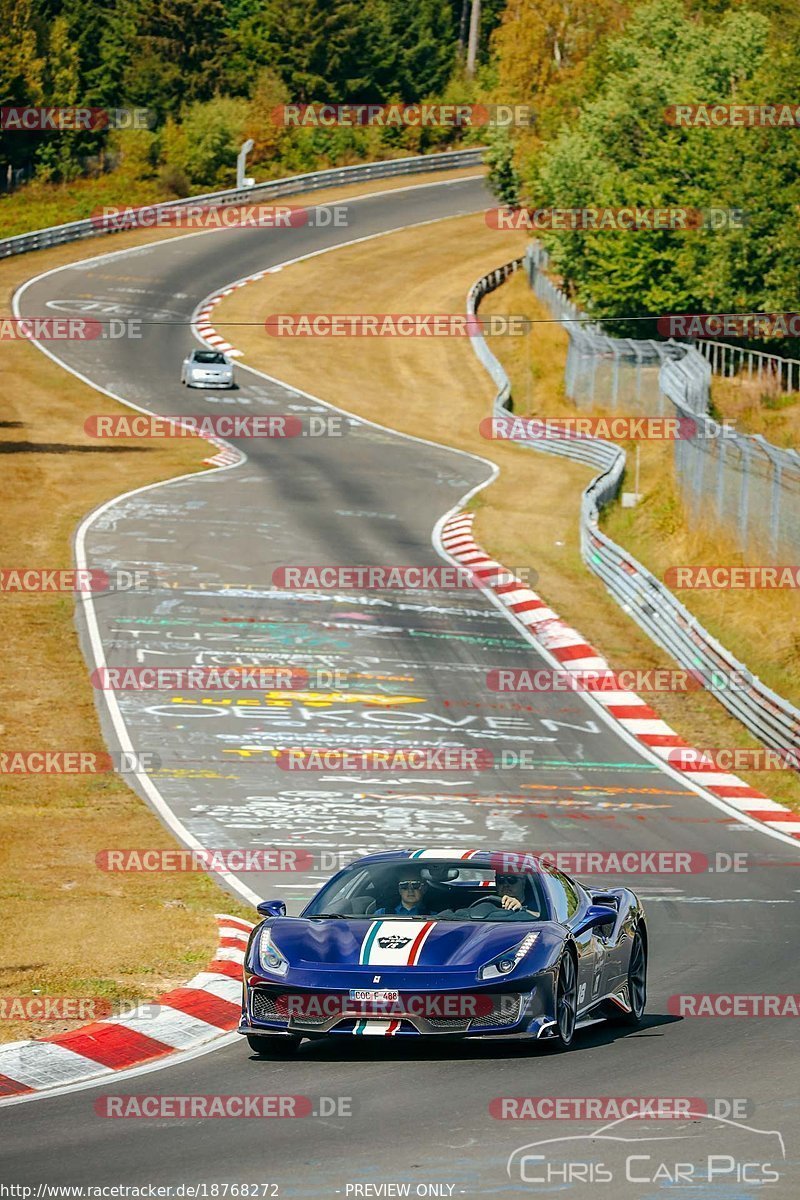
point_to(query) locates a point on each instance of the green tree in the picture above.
(504, 179)
(203, 147)
(620, 151)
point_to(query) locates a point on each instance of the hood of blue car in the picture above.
(399, 943)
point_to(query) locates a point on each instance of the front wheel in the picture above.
(566, 1005)
(637, 985)
(273, 1047)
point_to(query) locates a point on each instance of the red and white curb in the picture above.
(226, 456)
(202, 322)
(203, 1009)
(572, 650)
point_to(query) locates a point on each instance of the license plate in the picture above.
(384, 995)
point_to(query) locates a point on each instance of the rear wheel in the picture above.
(566, 1006)
(273, 1047)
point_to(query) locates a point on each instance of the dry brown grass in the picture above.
(759, 406)
(435, 388)
(69, 928)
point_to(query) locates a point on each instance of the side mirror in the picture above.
(272, 908)
(596, 914)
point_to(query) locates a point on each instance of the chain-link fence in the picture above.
(601, 371)
(744, 482)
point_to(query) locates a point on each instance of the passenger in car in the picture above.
(411, 889)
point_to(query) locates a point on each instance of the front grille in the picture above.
(264, 1007)
(454, 1024)
(505, 1011)
(272, 1006)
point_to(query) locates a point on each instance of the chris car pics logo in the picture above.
(711, 1150)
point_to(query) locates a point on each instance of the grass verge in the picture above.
(758, 406)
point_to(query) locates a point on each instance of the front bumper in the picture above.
(216, 381)
(520, 1014)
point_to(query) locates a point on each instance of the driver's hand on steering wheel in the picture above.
(512, 903)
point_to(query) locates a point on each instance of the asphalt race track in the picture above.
(415, 675)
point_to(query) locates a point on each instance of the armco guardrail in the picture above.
(274, 189)
(773, 720)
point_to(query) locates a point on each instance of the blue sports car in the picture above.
(477, 943)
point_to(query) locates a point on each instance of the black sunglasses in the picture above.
(409, 884)
(507, 878)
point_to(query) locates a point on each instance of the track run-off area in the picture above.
(414, 667)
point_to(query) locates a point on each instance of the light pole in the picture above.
(241, 181)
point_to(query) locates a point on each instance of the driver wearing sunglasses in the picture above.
(511, 890)
(411, 888)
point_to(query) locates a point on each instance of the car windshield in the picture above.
(448, 891)
(209, 356)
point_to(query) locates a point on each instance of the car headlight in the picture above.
(270, 957)
(509, 960)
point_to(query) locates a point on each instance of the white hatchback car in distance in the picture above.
(207, 369)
